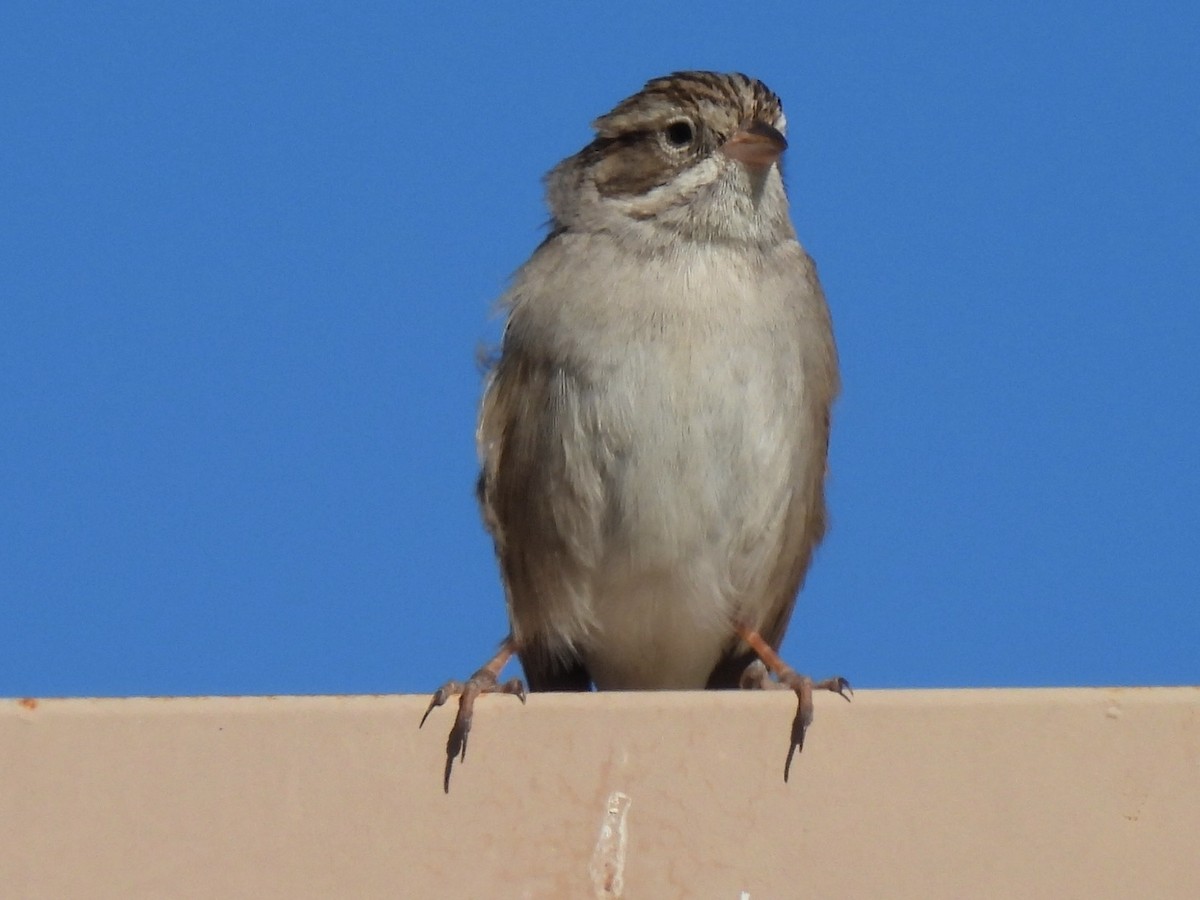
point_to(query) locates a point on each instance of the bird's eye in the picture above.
(680, 133)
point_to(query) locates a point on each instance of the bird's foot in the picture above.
(756, 675)
(484, 681)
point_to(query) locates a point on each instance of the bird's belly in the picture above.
(693, 529)
(653, 635)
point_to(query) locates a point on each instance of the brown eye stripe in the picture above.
(630, 164)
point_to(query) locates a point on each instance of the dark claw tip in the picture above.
(787, 764)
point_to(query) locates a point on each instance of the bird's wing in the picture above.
(541, 499)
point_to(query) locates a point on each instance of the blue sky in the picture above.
(248, 254)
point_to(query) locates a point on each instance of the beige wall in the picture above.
(923, 794)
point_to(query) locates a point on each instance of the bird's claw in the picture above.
(837, 685)
(804, 687)
(440, 696)
(482, 682)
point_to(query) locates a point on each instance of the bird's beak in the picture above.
(756, 145)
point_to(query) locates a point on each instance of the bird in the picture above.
(654, 431)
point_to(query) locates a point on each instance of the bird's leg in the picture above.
(484, 681)
(756, 676)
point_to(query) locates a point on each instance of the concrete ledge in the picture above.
(998, 793)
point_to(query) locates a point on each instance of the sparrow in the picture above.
(654, 432)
